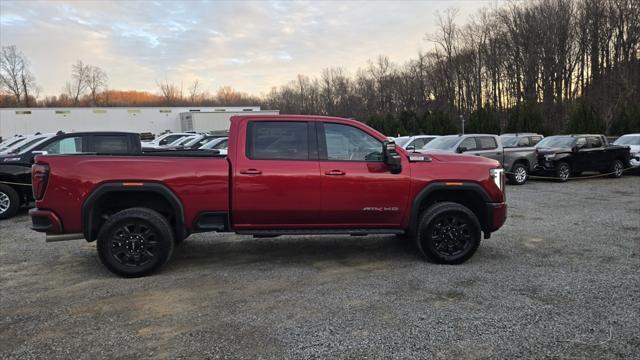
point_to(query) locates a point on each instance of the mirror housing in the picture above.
(410, 148)
(391, 157)
(461, 149)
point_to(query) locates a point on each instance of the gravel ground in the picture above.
(559, 280)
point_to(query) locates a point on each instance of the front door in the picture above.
(358, 191)
(276, 179)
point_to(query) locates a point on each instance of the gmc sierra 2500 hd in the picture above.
(282, 175)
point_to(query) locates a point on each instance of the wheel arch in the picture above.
(471, 195)
(119, 196)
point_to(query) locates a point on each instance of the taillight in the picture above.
(39, 178)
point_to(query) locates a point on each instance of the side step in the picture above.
(352, 232)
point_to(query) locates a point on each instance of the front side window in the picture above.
(594, 142)
(468, 144)
(277, 140)
(581, 142)
(70, 145)
(348, 143)
(523, 142)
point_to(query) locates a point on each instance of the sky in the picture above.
(251, 46)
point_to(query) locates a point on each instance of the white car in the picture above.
(633, 142)
(10, 142)
(219, 144)
(416, 142)
(24, 143)
(164, 140)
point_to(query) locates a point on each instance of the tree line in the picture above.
(548, 66)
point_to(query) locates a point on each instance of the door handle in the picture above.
(251, 172)
(335, 172)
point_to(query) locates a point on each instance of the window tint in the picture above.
(487, 143)
(594, 141)
(469, 144)
(535, 140)
(524, 142)
(275, 140)
(110, 144)
(70, 145)
(347, 143)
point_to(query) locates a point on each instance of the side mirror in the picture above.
(411, 148)
(461, 149)
(391, 157)
(39, 152)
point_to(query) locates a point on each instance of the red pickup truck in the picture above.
(283, 175)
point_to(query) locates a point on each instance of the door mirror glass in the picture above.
(391, 157)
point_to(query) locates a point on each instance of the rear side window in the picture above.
(110, 144)
(487, 143)
(277, 140)
(594, 141)
(70, 145)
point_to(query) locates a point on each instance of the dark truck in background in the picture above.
(283, 175)
(564, 156)
(518, 162)
(15, 168)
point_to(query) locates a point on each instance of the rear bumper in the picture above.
(45, 221)
(497, 215)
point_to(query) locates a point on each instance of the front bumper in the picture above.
(496, 216)
(635, 162)
(45, 221)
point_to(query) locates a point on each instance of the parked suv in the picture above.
(633, 142)
(570, 155)
(15, 168)
(414, 142)
(518, 162)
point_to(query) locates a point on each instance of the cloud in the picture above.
(251, 46)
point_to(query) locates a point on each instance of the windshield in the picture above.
(628, 140)
(509, 140)
(442, 143)
(556, 141)
(402, 140)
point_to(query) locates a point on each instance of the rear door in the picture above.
(276, 177)
(358, 191)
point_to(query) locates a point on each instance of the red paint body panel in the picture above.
(200, 183)
(272, 194)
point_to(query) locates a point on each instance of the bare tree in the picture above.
(96, 81)
(80, 75)
(16, 77)
(171, 93)
(195, 93)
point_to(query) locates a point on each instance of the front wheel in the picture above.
(616, 169)
(9, 201)
(519, 175)
(135, 242)
(448, 233)
(563, 171)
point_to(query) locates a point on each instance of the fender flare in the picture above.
(436, 186)
(118, 187)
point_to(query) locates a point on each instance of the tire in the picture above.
(443, 240)
(563, 171)
(519, 175)
(617, 168)
(146, 233)
(9, 202)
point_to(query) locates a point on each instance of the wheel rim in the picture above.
(618, 168)
(134, 244)
(5, 202)
(564, 172)
(451, 235)
(521, 175)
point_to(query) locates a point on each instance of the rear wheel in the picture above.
(9, 201)
(519, 175)
(563, 171)
(616, 169)
(448, 233)
(135, 242)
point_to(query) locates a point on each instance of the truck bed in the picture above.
(73, 177)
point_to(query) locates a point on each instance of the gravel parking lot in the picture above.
(560, 280)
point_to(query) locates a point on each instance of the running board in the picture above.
(64, 237)
(352, 232)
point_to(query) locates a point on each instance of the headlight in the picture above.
(549, 156)
(498, 177)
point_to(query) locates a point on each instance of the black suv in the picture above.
(570, 155)
(15, 168)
